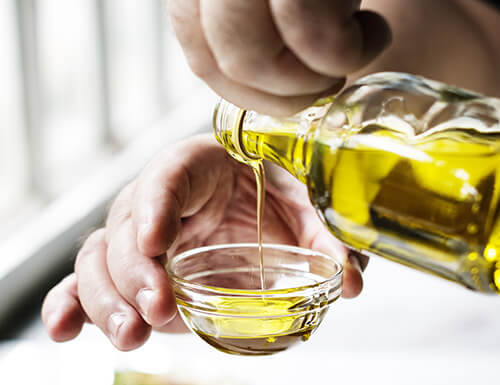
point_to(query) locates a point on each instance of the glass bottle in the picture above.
(396, 166)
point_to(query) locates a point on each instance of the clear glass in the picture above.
(218, 295)
(397, 166)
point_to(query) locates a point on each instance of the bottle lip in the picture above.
(225, 116)
(230, 118)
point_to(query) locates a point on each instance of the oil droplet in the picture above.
(271, 339)
(472, 228)
(474, 270)
(475, 208)
(473, 256)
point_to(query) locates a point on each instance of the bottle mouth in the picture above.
(228, 121)
(226, 116)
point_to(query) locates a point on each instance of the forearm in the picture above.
(454, 41)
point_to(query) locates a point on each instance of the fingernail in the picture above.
(144, 299)
(354, 262)
(115, 321)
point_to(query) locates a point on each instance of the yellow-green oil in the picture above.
(256, 326)
(428, 201)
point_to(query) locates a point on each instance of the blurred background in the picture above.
(90, 90)
(80, 81)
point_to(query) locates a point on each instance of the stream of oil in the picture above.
(258, 168)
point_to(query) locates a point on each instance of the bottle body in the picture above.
(400, 167)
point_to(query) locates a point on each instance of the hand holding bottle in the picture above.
(277, 56)
(190, 195)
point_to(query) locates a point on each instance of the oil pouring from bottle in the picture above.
(257, 166)
(397, 166)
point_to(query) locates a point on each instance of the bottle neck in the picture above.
(286, 142)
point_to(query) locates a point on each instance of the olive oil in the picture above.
(260, 181)
(257, 326)
(258, 169)
(434, 206)
(218, 294)
(410, 176)
(257, 346)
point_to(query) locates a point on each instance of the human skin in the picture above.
(190, 195)
(194, 194)
(279, 56)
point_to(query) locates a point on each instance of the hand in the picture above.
(277, 56)
(190, 195)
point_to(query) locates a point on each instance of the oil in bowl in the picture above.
(219, 295)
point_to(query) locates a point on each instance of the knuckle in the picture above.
(100, 297)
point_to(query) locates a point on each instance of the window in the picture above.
(90, 89)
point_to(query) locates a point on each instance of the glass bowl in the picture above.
(219, 295)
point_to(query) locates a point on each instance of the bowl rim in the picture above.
(246, 292)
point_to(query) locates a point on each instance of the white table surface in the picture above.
(406, 328)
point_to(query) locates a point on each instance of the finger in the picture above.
(186, 21)
(352, 279)
(249, 50)
(331, 37)
(141, 281)
(205, 227)
(62, 313)
(177, 183)
(121, 209)
(362, 260)
(352, 284)
(314, 235)
(100, 300)
(265, 103)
